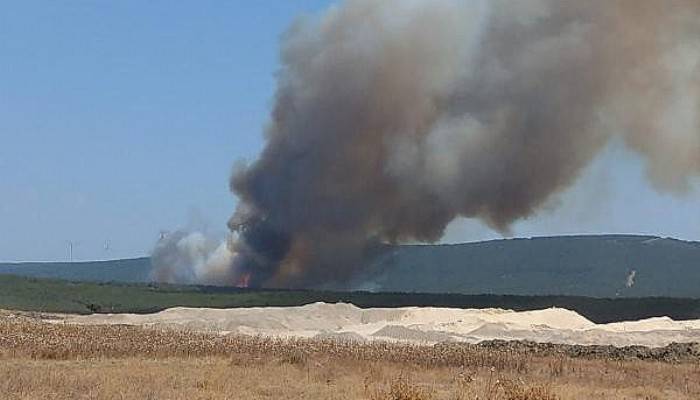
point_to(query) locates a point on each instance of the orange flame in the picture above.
(243, 281)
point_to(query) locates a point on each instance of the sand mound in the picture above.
(412, 324)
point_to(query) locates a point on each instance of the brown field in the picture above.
(45, 361)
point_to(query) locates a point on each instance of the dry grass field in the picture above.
(47, 361)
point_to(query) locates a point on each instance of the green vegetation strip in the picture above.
(48, 295)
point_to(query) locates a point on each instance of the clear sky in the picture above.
(121, 119)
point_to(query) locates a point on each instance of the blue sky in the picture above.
(120, 119)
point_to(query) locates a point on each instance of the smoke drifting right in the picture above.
(392, 118)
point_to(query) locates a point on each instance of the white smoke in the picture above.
(629, 282)
(193, 257)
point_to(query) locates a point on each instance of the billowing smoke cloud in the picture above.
(193, 257)
(394, 117)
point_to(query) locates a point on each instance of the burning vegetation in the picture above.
(393, 118)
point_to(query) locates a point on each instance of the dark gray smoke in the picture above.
(394, 117)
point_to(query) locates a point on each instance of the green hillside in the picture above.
(596, 266)
(33, 294)
(129, 270)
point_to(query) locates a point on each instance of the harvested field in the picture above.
(55, 361)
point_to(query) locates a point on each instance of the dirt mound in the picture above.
(428, 325)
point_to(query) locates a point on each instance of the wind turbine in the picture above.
(71, 244)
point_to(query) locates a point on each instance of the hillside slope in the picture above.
(130, 270)
(598, 266)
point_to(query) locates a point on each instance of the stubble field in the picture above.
(53, 361)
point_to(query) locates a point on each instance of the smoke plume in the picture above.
(394, 117)
(186, 256)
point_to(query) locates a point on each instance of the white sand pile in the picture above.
(412, 324)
